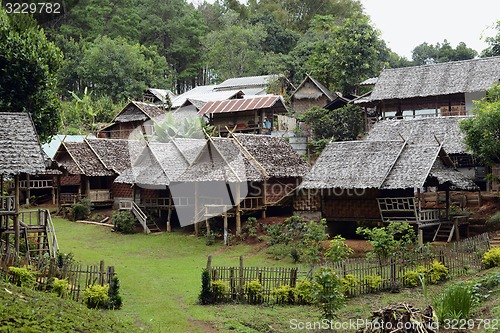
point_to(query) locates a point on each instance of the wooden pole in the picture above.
(209, 263)
(238, 213)
(169, 215)
(225, 227)
(447, 203)
(59, 191)
(16, 213)
(195, 208)
(28, 190)
(264, 198)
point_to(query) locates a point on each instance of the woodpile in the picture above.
(401, 318)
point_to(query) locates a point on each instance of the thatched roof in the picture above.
(437, 79)
(274, 154)
(379, 164)
(20, 150)
(222, 160)
(311, 88)
(353, 164)
(79, 158)
(116, 154)
(452, 177)
(163, 95)
(160, 163)
(138, 111)
(422, 131)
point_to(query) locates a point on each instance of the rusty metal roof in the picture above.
(245, 104)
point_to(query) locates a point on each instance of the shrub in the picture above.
(206, 296)
(60, 287)
(454, 303)
(124, 221)
(304, 292)
(251, 227)
(81, 209)
(492, 258)
(494, 219)
(23, 276)
(437, 272)
(280, 251)
(338, 249)
(254, 291)
(219, 289)
(96, 296)
(276, 234)
(373, 282)
(115, 300)
(349, 284)
(284, 294)
(328, 292)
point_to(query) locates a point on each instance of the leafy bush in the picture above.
(23, 276)
(338, 249)
(437, 272)
(279, 251)
(284, 294)
(373, 282)
(81, 209)
(206, 295)
(60, 287)
(454, 303)
(412, 278)
(124, 221)
(254, 291)
(349, 284)
(494, 219)
(327, 292)
(304, 292)
(219, 290)
(276, 234)
(115, 300)
(96, 296)
(492, 258)
(251, 227)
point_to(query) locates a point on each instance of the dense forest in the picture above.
(112, 50)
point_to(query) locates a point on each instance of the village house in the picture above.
(379, 181)
(310, 93)
(442, 89)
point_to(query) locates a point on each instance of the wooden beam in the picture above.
(16, 214)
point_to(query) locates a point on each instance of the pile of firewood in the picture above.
(401, 318)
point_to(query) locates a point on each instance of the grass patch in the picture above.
(160, 278)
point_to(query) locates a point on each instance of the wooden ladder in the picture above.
(444, 231)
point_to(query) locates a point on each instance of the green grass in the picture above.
(160, 277)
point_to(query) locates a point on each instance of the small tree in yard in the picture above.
(386, 241)
(338, 250)
(328, 293)
(312, 243)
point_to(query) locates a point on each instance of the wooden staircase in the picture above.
(148, 225)
(495, 240)
(444, 232)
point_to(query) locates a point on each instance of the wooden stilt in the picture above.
(169, 215)
(16, 214)
(225, 227)
(238, 213)
(28, 190)
(264, 198)
(59, 191)
(196, 203)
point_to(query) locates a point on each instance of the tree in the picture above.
(342, 124)
(120, 70)
(28, 67)
(425, 53)
(482, 132)
(494, 44)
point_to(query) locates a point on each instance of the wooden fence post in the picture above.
(393, 274)
(242, 278)
(209, 263)
(101, 273)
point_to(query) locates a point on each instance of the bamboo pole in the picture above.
(28, 190)
(169, 215)
(16, 213)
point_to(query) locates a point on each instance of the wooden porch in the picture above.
(94, 196)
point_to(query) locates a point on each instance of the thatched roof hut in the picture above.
(79, 159)
(437, 79)
(382, 165)
(116, 154)
(20, 150)
(422, 131)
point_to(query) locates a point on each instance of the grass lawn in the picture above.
(160, 278)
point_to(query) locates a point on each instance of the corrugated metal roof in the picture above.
(248, 81)
(236, 105)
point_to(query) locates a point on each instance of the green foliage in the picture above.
(276, 234)
(190, 127)
(206, 295)
(23, 276)
(349, 284)
(327, 292)
(96, 296)
(284, 294)
(115, 299)
(254, 291)
(81, 209)
(482, 132)
(338, 250)
(250, 227)
(343, 124)
(219, 290)
(304, 292)
(492, 258)
(494, 219)
(312, 243)
(493, 42)
(444, 52)
(437, 272)
(397, 237)
(373, 282)
(124, 221)
(29, 63)
(60, 287)
(411, 278)
(454, 303)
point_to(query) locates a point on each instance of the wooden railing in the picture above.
(428, 216)
(136, 210)
(70, 198)
(157, 202)
(99, 195)
(183, 201)
(405, 210)
(252, 203)
(7, 204)
(34, 184)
